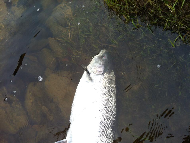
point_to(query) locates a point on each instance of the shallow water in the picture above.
(51, 39)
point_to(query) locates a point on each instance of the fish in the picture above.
(93, 112)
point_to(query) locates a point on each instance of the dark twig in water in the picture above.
(19, 63)
(87, 71)
(128, 88)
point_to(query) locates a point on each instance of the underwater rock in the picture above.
(13, 116)
(47, 58)
(40, 108)
(37, 45)
(58, 21)
(7, 19)
(6, 138)
(48, 4)
(60, 89)
(32, 101)
(3, 14)
(31, 68)
(35, 134)
(28, 135)
(57, 47)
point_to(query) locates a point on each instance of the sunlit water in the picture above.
(44, 44)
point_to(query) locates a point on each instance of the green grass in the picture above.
(173, 15)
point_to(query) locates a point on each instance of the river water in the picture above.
(43, 45)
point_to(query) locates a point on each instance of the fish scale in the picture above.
(94, 106)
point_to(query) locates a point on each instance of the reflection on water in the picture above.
(156, 129)
(51, 39)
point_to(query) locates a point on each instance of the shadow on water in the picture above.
(43, 45)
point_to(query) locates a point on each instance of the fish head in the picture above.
(100, 64)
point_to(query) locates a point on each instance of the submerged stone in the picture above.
(13, 116)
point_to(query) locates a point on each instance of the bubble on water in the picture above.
(5, 99)
(40, 78)
(158, 66)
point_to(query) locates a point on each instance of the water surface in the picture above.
(43, 43)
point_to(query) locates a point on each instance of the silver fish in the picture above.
(94, 106)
